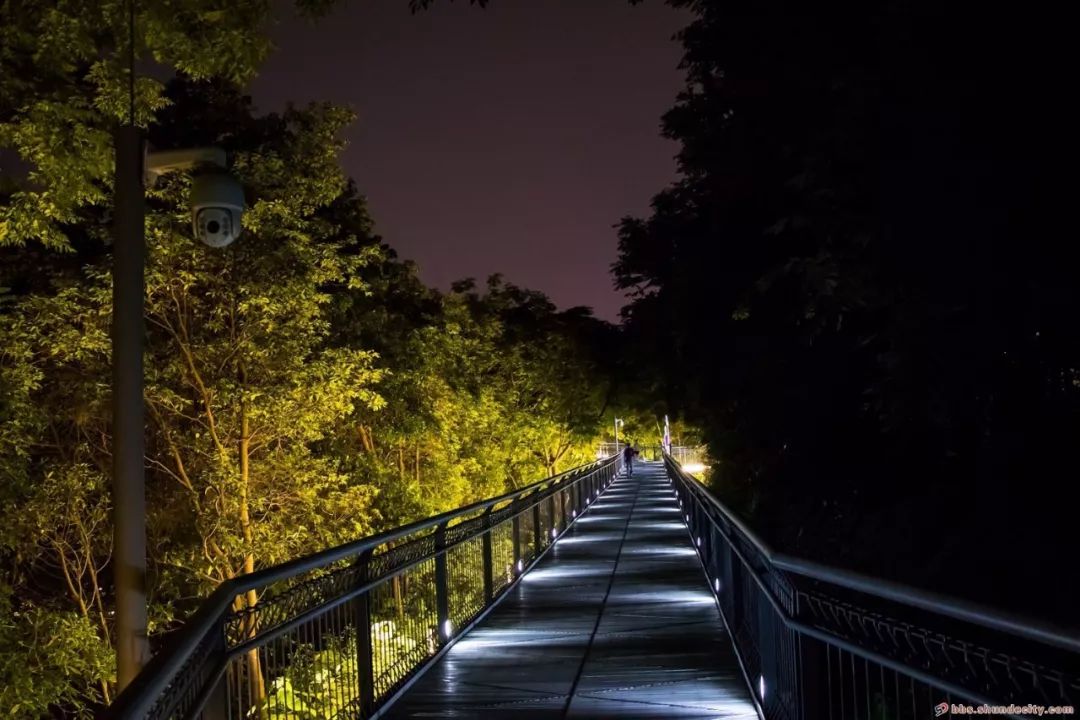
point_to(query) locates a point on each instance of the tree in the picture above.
(826, 292)
(486, 391)
(243, 385)
(304, 389)
(64, 82)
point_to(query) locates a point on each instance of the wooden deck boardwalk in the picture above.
(616, 621)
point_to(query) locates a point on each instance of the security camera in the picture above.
(217, 198)
(217, 204)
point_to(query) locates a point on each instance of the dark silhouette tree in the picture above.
(858, 286)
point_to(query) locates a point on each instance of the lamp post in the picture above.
(129, 494)
(217, 203)
(133, 166)
(618, 422)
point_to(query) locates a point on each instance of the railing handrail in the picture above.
(949, 606)
(153, 680)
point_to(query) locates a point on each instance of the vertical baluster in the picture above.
(442, 587)
(489, 577)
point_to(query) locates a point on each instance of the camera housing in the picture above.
(217, 207)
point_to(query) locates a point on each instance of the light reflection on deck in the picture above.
(617, 621)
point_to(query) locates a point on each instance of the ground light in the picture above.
(761, 687)
(716, 584)
(520, 565)
(447, 629)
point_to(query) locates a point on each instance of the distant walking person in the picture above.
(628, 460)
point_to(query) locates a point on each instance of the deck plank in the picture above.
(616, 621)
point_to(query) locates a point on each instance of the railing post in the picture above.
(554, 516)
(715, 547)
(733, 581)
(442, 586)
(217, 703)
(766, 624)
(537, 531)
(811, 678)
(516, 524)
(365, 655)
(561, 497)
(485, 541)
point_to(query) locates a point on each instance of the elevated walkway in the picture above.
(592, 595)
(617, 620)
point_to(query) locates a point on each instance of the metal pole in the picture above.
(516, 530)
(537, 531)
(489, 560)
(129, 497)
(616, 436)
(442, 585)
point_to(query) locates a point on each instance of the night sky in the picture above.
(508, 139)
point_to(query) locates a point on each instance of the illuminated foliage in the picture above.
(303, 388)
(64, 82)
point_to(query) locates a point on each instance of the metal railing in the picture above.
(818, 642)
(683, 454)
(607, 449)
(341, 632)
(686, 456)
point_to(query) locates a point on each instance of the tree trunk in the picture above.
(365, 439)
(84, 610)
(256, 684)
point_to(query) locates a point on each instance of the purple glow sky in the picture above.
(508, 139)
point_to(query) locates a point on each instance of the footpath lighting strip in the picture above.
(603, 603)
